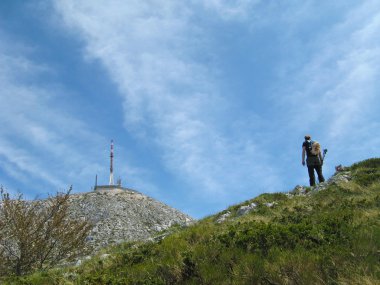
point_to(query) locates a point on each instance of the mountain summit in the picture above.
(123, 215)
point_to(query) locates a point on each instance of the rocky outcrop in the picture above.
(243, 210)
(123, 215)
(223, 217)
(337, 178)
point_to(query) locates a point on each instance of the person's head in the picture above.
(307, 137)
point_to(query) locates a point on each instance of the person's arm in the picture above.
(320, 157)
(303, 155)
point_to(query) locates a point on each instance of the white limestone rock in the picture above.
(243, 210)
(223, 217)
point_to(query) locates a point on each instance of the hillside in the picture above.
(329, 234)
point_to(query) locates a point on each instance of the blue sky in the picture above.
(207, 101)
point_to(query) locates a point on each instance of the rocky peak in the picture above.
(123, 215)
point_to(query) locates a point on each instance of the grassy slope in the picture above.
(328, 237)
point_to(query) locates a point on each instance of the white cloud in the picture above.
(20, 164)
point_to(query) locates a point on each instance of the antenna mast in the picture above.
(111, 165)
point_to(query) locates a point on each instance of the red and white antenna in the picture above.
(111, 165)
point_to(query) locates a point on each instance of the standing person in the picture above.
(314, 159)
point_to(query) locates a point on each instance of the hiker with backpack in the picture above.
(314, 159)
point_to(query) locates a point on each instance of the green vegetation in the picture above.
(39, 234)
(330, 236)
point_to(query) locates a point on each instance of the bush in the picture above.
(38, 234)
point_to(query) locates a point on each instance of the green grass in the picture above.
(328, 237)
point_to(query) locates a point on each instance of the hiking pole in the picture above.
(324, 153)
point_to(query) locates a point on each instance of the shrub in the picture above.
(37, 235)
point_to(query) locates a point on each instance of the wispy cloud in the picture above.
(337, 84)
(39, 141)
(150, 52)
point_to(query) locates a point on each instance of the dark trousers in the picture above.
(318, 168)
